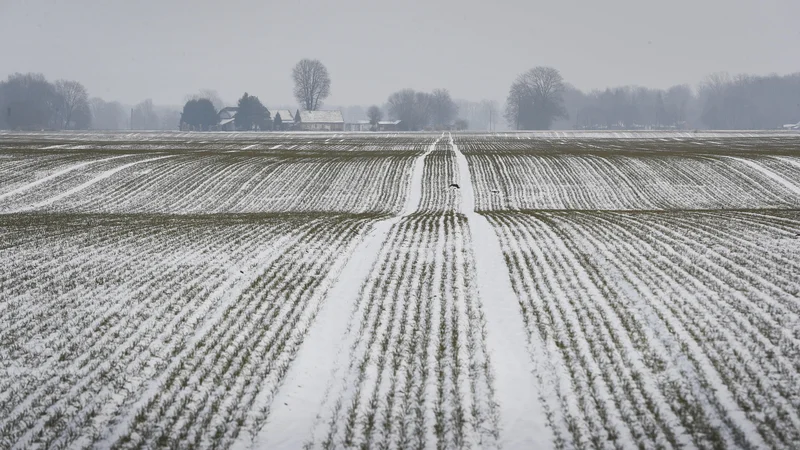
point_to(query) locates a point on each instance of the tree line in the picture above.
(422, 110)
(540, 99)
(30, 102)
(312, 85)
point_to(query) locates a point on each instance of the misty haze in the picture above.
(380, 225)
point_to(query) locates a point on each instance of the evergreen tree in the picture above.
(252, 115)
(199, 114)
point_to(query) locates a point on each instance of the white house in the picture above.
(360, 125)
(389, 125)
(227, 119)
(365, 125)
(319, 120)
(283, 120)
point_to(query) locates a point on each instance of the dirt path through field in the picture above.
(523, 423)
(295, 409)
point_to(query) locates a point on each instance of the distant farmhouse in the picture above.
(389, 125)
(283, 121)
(361, 125)
(227, 118)
(365, 125)
(319, 121)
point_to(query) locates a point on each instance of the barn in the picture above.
(360, 125)
(389, 125)
(320, 120)
(284, 120)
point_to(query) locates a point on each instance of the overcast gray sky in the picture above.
(164, 49)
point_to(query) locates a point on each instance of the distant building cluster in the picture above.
(366, 125)
(322, 120)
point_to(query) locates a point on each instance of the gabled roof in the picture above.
(229, 108)
(334, 116)
(286, 115)
(389, 122)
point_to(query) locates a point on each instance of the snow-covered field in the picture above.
(520, 290)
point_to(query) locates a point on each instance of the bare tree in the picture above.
(478, 115)
(489, 110)
(144, 116)
(535, 99)
(374, 114)
(418, 110)
(677, 101)
(312, 84)
(518, 96)
(28, 101)
(423, 106)
(546, 82)
(443, 108)
(401, 106)
(208, 94)
(167, 117)
(73, 97)
(716, 82)
(413, 108)
(107, 115)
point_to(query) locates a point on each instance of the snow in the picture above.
(622, 300)
(523, 421)
(55, 175)
(295, 410)
(414, 197)
(107, 174)
(770, 174)
(321, 116)
(210, 313)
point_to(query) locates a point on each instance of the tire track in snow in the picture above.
(523, 422)
(770, 174)
(64, 171)
(790, 161)
(297, 403)
(97, 179)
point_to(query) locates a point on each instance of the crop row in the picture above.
(145, 331)
(418, 373)
(215, 183)
(662, 329)
(43, 180)
(588, 182)
(630, 144)
(19, 169)
(440, 178)
(215, 142)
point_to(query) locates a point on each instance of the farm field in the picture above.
(539, 290)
